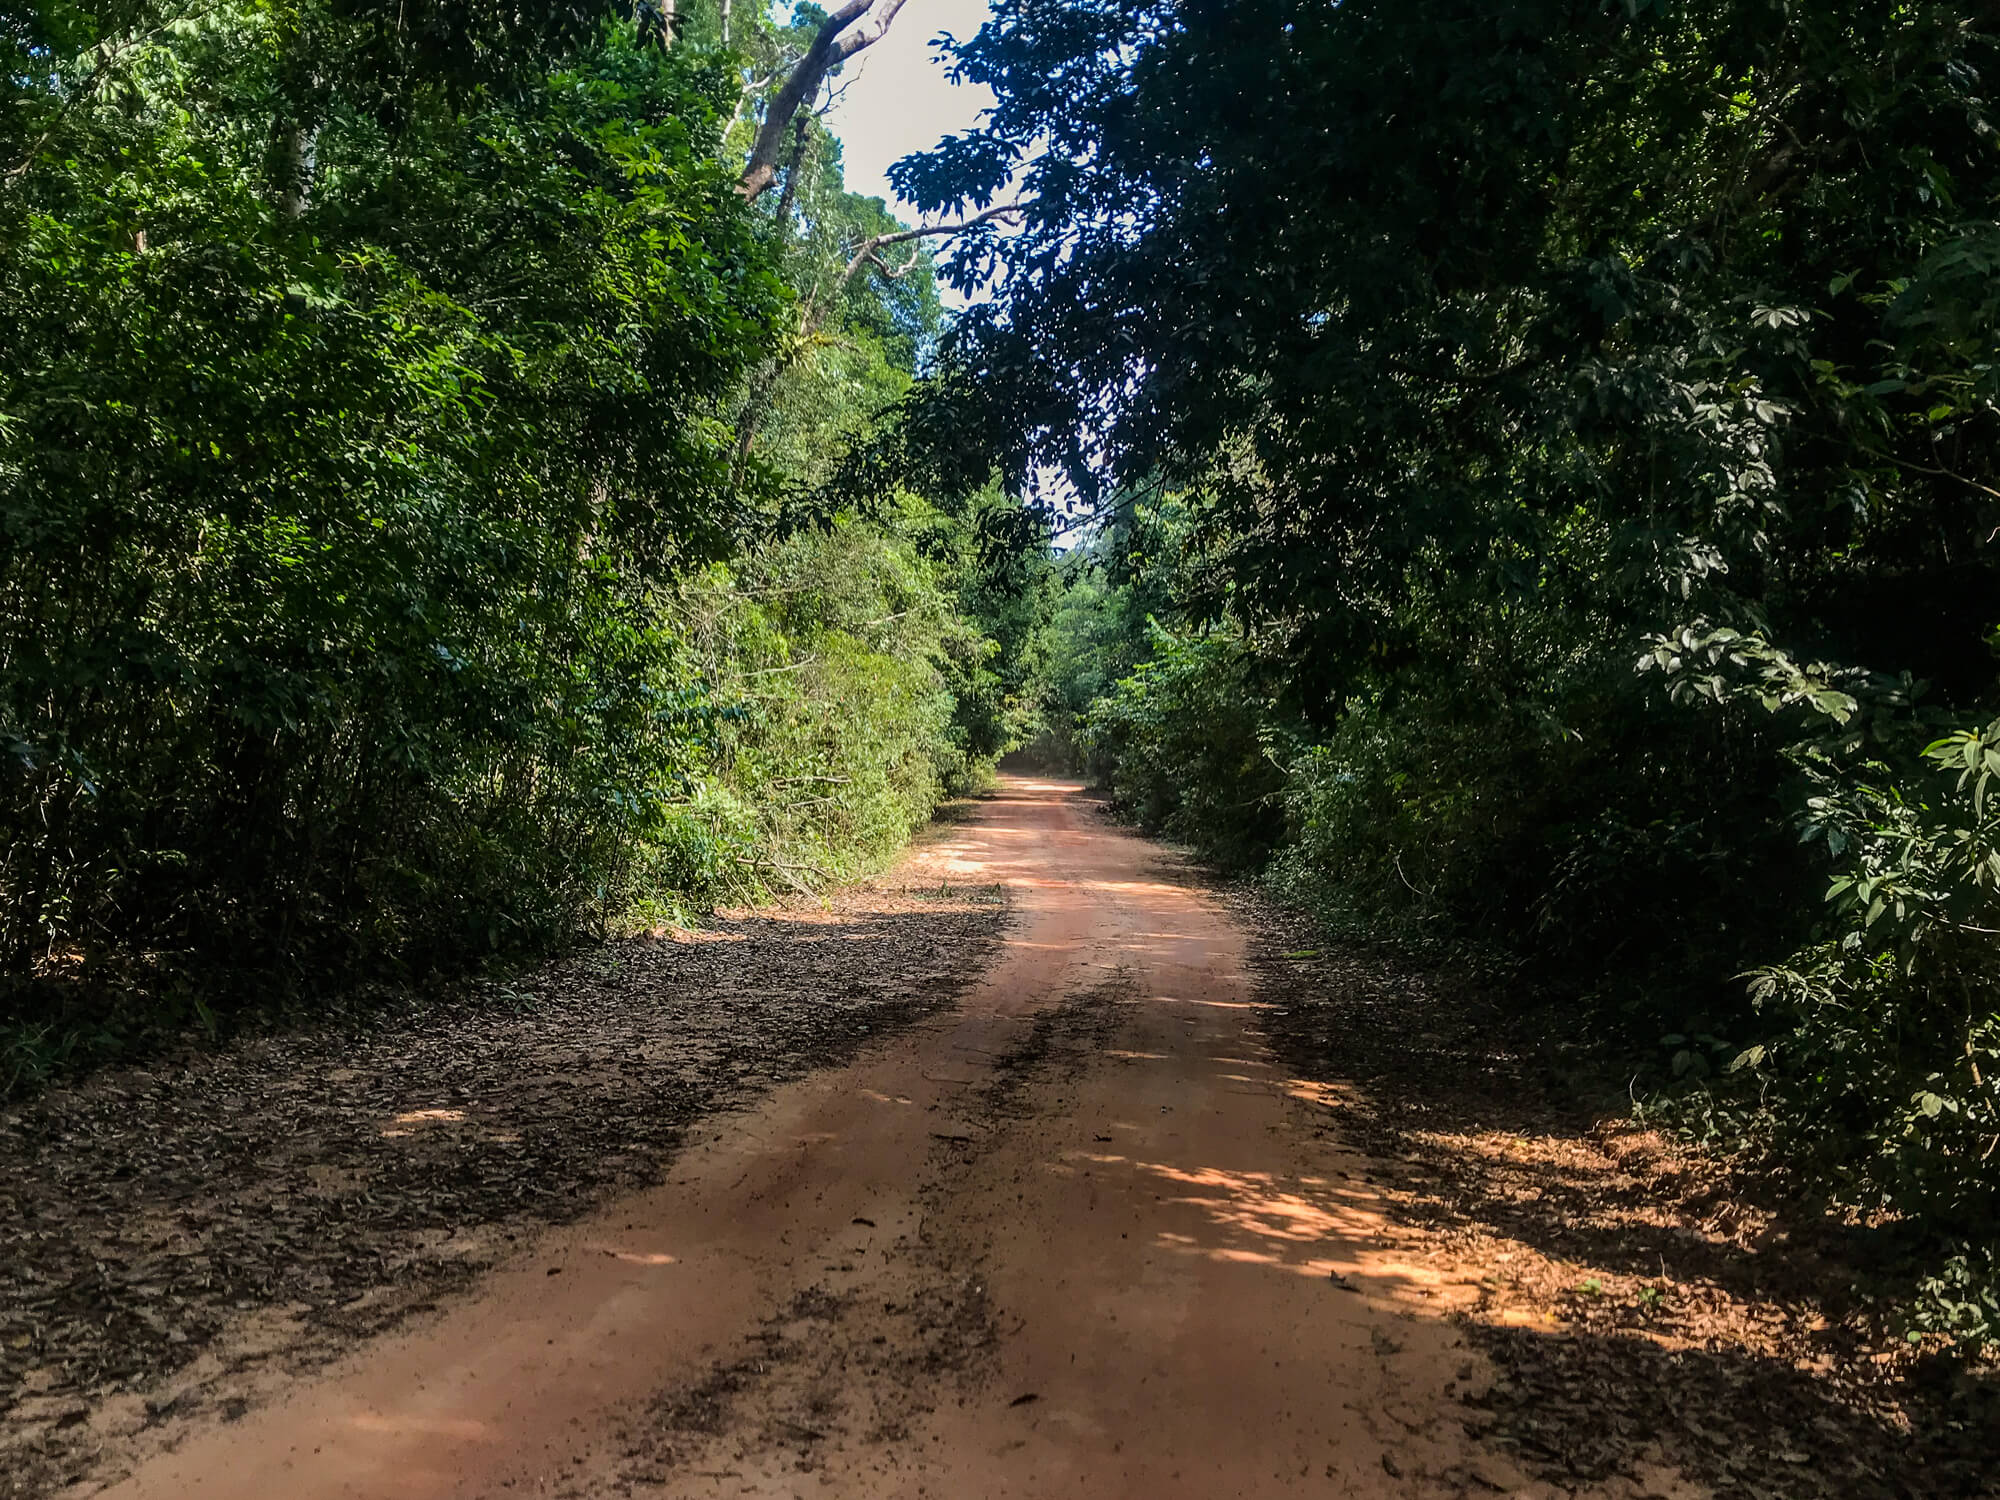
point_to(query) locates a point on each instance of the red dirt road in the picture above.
(1079, 1237)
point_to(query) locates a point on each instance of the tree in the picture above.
(846, 31)
(380, 590)
(1496, 350)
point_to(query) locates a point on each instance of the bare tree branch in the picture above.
(856, 25)
(764, 388)
(897, 273)
(870, 248)
(830, 100)
(748, 96)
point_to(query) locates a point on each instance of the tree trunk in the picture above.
(856, 25)
(298, 148)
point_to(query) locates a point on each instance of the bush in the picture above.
(1185, 747)
(1881, 1067)
(831, 657)
(332, 533)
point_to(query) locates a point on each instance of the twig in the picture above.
(112, 56)
(779, 864)
(1916, 468)
(868, 249)
(804, 661)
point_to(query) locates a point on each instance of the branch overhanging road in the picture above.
(1078, 1236)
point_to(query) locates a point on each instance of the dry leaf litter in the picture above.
(172, 1234)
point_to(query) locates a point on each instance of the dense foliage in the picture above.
(1544, 459)
(1537, 458)
(396, 566)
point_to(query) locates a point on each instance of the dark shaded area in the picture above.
(338, 1181)
(1787, 1382)
(1578, 1408)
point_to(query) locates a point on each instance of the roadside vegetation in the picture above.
(1536, 467)
(407, 429)
(472, 476)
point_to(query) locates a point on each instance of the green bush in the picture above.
(1879, 1071)
(332, 530)
(1184, 746)
(836, 731)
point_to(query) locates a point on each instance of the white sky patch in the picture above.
(898, 100)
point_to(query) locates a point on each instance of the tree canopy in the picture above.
(1543, 460)
(402, 561)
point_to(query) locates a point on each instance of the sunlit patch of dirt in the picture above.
(839, 1377)
(1647, 1312)
(179, 1237)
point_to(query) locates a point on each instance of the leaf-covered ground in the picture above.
(1648, 1311)
(174, 1237)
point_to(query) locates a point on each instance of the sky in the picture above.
(898, 99)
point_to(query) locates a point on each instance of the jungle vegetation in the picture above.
(408, 422)
(1537, 461)
(1524, 471)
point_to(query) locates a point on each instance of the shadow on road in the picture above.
(1645, 1315)
(181, 1229)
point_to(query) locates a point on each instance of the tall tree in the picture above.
(1585, 418)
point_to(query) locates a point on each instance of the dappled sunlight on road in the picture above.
(1306, 1226)
(410, 1120)
(1160, 1263)
(635, 1257)
(1210, 1004)
(1326, 1095)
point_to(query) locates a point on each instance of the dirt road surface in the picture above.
(1080, 1236)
